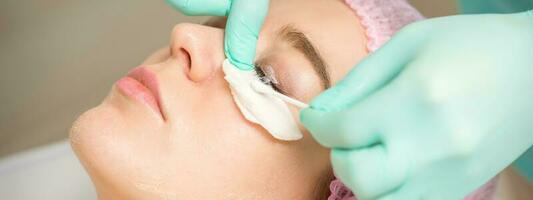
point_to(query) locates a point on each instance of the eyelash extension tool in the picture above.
(263, 89)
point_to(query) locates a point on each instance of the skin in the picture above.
(202, 147)
(512, 185)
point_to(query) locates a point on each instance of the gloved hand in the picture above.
(245, 19)
(434, 114)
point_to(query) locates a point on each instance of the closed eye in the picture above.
(267, 76)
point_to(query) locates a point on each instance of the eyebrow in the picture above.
(299, 41)
(296, 39)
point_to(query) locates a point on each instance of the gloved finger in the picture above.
(368, 172)
(245, 19)
(353, 127)
(372, 73)
(242, 31)
(202, 7)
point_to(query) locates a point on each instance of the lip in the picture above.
(141, 85)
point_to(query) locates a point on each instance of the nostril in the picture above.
(184, 60)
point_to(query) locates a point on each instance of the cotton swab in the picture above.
(264, 89)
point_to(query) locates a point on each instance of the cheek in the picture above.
(157, 57)
(213, 144)
(230, 151)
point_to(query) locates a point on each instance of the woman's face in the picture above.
(184, 137)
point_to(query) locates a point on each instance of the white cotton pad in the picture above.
(270, 112)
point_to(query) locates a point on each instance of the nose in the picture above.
(199, 49)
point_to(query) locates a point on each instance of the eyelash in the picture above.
(266, 78)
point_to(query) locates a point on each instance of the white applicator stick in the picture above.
(264, 89)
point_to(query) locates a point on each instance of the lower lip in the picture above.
(136, 90)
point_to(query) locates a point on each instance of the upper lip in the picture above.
(148, 79)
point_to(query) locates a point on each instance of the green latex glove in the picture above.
(245, 19)
(524, 163)
(494, 6)
(435, 113)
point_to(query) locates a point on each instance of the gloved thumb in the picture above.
(242, 31)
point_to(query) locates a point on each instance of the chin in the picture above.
(93, 132)
(91, 136)
(91, 123)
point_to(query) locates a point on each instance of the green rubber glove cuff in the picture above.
(494, 6)
(524, 165)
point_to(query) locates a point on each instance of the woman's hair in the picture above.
(322, 190)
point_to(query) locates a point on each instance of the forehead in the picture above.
(331, 26)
